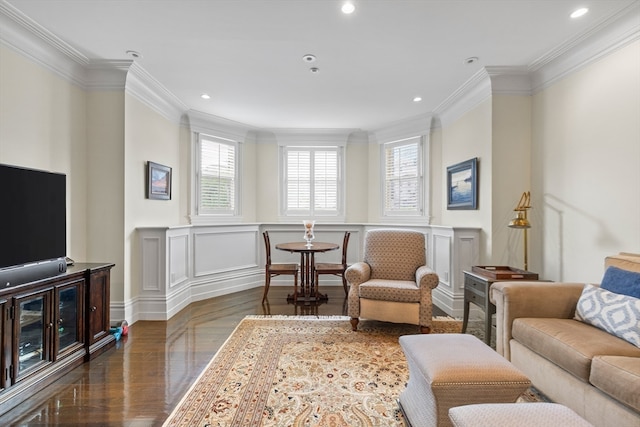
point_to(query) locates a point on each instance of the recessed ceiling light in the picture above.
(314, 70)
(205, 96)
(471, 60)
(133, 54)
(417, 99)
(348, 8)
(309, 58)
(579, 12)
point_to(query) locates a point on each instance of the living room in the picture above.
(565, 128)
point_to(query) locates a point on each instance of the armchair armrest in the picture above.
(426, 278)
(358, 273)
(530, 299)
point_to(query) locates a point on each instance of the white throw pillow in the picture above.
(614, 313)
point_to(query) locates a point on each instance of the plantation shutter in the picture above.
(402, 176)
(217, 175)
(312, 180)
(326, 180)
(298, 180)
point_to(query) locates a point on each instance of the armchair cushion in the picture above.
(390, 290)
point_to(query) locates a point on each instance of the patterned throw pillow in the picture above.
(614, 313)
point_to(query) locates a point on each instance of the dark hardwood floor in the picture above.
(140, 381)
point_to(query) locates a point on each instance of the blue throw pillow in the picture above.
(621, 281)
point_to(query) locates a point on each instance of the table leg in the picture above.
(465, 315)
(487, 326)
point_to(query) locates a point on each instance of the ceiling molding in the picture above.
(605, 39)
(509, 80)
(23, 35)
(107, 75)
(201, 122)
(141, 85)
(402, 129)
(471, 94)
(312, 136)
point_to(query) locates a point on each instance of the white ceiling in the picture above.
(247, 54)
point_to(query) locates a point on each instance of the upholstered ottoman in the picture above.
(448, 370)
(516, 414)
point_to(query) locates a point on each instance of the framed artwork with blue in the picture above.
(462, 185)
(158, 181)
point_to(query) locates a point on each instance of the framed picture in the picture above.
(158, 181)
(462, 185)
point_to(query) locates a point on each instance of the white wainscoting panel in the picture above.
(152, 254)
(217, 251)
(178, 259)
(185, 264)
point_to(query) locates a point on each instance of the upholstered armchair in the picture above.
(392, 283)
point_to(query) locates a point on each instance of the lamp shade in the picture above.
(520, 221)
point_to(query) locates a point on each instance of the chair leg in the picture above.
(344, 285)
(354, 323)
(295, 287)
(267, 282)
(425, 329)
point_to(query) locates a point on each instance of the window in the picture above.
(312, 184)
(402, 179)
(217, 179)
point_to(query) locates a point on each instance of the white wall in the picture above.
(466, 138)
(510, 168)
(148, 137)
(586, 166)
(43, 126)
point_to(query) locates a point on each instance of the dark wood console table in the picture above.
(477, 284)
(50, 326)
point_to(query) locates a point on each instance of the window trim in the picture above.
(338, 215)
(422, 195)
(198, 215)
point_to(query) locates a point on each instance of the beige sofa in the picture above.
(583, 367)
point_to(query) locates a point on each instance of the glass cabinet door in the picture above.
(69, 308)
(32, 332)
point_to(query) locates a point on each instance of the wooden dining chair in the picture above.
(272, 270)
(335, 269)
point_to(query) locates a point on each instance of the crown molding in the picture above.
(468, 96)
(402, 129)
(142, 86)
(212, 125)
(25, 36)
(28, 38)
(291, 136)
(606, 38)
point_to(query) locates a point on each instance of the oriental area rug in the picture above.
(310, 371)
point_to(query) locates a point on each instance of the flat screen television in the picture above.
(32, 218)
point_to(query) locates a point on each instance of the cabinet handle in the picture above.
(94, 308)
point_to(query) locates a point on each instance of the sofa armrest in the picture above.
(530, 299)
(426, 278)
(358, 273)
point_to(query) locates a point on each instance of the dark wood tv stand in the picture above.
(49, 327)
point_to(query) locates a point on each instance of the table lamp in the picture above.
(522, 222)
